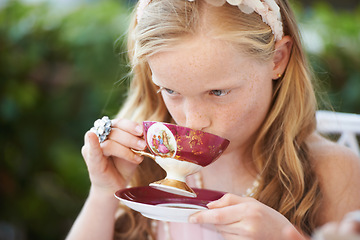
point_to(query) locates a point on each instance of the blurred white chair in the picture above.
(347, 125)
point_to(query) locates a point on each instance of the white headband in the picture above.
(267, 9)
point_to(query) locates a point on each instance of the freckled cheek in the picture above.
(245, 116)
(228, 124)
(242, 108)
(231, 114)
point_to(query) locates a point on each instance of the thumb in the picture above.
(95, 151)
(227, 200)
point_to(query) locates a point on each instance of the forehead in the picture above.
(202, 61)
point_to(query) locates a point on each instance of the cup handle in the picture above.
(142, 153)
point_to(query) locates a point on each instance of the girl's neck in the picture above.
(233, 172)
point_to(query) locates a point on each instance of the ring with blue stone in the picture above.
(102, 128)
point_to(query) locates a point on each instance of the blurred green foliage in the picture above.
(61, 70)
(332, 38)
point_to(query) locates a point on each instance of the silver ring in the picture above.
(102, 128)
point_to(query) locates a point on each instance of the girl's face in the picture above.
(208, 85)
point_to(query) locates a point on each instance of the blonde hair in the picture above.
(288, 182)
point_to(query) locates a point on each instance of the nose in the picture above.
(196, 114)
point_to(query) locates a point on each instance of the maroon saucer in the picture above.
(152, 196)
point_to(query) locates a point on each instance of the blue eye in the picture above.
(169, 91)
(219, 93)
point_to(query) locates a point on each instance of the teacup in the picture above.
(180, 151)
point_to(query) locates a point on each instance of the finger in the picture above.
(114, 149)
(233, 230)
(128, 126)
(127, 139)
(92, 149)
(239, 229)
(228, 200)
(224, 215)
(92, 153)
(126, 168)
(232, 236)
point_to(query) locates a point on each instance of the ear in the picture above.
(281, 56)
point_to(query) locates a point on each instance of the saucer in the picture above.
(164, 206)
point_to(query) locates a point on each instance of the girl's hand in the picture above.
(238, 217)
(112, 163)
(347, 229)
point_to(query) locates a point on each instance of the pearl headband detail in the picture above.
(140, 8)
(267, 9)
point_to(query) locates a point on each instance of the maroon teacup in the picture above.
(180, 151)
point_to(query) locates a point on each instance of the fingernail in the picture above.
(141, 144)
(139, 129)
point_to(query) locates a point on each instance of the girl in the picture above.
(236, 69)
